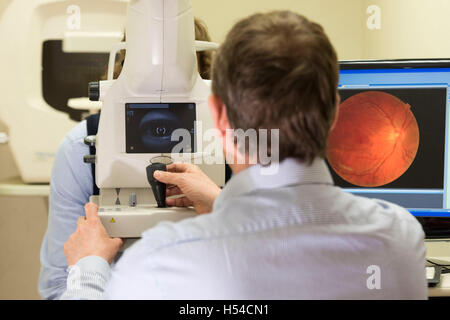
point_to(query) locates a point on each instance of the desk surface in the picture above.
(16, 187)
(438, 292)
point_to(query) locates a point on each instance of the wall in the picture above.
(341, 19)
(409, 29)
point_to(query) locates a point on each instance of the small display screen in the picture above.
(150, 127)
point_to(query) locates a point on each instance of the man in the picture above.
(289, 235)
(72, 184)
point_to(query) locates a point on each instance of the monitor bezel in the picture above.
(394, 64)
(430, 233)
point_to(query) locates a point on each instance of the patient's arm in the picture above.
(88, 277)
(70, 188)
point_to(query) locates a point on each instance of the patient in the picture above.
(289, 235)
(72, 184)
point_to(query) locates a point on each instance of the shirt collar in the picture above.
(288, 172)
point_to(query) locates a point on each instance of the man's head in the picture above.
(277, 71)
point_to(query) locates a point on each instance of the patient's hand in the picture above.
(90, 239)
(198, 189)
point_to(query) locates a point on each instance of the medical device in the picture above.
(156, 112)
(50, 49)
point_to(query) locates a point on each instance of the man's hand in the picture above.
(90, 239)
(182, 178)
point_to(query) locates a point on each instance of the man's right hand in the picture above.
(187, 179)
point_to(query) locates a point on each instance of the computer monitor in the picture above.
(391, 138)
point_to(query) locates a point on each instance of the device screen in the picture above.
(160, 127)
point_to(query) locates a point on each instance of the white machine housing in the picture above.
(160, 67)
(34, 129)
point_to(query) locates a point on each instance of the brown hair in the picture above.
(279, 71)
(204, 58)
(119, 60)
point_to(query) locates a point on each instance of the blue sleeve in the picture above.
(70, 189)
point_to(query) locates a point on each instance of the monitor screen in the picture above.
(390, 137)
(150, 127)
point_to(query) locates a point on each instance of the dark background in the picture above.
(67, 75)
(428, 106)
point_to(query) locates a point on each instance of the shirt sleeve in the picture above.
(70, 188)
(87, 279)
(136, 276)
(132, 277)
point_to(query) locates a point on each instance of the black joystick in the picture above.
(158, 188)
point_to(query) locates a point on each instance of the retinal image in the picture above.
(389, 138)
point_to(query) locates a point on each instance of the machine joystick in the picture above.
(158, 188)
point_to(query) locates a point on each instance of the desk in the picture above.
(438, 292)
(23, 221)
(16, 187)
(442, 289)
(438, 251)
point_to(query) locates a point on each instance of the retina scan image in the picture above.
(375, 139)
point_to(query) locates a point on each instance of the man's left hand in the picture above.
(90, 239)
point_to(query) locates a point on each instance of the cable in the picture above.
(444, 266)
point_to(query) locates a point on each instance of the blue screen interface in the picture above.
(390, 137)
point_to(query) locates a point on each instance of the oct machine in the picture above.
(154, 114)
(50, 50)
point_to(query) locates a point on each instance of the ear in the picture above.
(336, 113)
(218, 114)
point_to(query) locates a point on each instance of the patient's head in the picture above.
(279, 71)
(204, 58)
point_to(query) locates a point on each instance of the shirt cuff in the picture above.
(94, 264)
